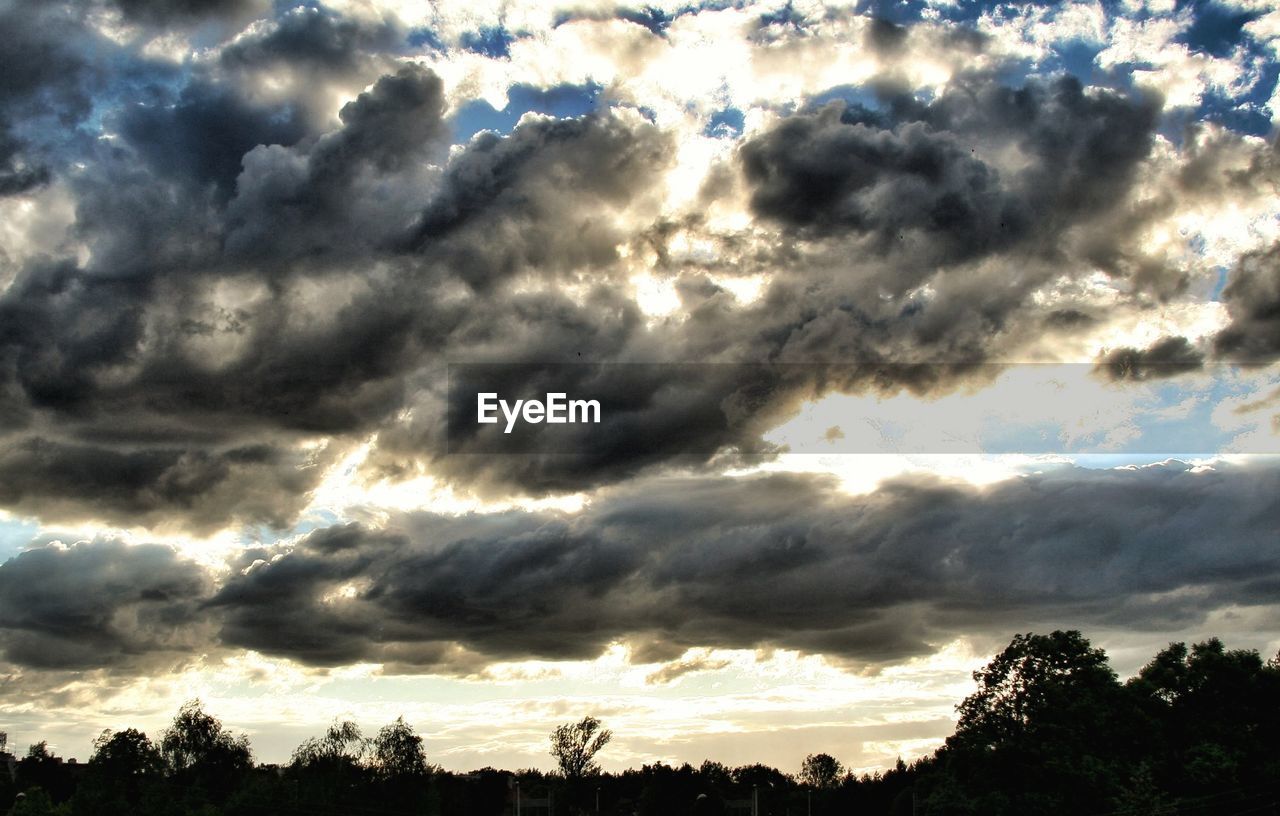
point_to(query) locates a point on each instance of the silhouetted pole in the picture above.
(517, 797)
(755, 800)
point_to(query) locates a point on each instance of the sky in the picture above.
(916, 325)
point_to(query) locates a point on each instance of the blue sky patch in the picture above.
(420, 37)
(15, 534)
(561, 101)
(1217, 30)
(727, 123)
(492, 41)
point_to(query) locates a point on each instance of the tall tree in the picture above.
(397, 752)
(820, 771)
(341, 746)
(574, 745)
(126, 754)
(1049, 730)
(124, 769)
(203, 755)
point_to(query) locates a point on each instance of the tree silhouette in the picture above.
(41, 769)
(397, 752)
(201, 754)
(341, 747)
(1049, 730)
(329, 770)
(124, 766)
(126, 754)
(1037, 678)
(1216, 714)
(574, 745)
(820, 771)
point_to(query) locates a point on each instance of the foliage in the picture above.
(206, 758)
(397, 752)
(1048, 730)
(820, 771)
(574, 746)
(342, 745)
(35, 802)
(197, 741)
(126, 754)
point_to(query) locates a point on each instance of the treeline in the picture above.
(1050, 730)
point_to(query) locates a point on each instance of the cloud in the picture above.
(1253, 300)
(673, 671)
(538, 200)
(928, 176)
(205, 489)
(101, 604)
(46, 82)
(781, 561)
(310, 57)
(167, 12)
(204, 133)
(276, 248)
(1166, 358)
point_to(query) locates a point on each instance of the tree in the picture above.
(329, 770)
(1216, 714)
(34, 802)
(126, 754)
(715, 773)
(820, 771)
(1049, 730)
(1038, 681)
(209, 760)
(397, 752)
(197, 739)
(41, 769)
(574, 745)
(341, 746)
(120, 774)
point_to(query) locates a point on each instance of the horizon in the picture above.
(607, 763)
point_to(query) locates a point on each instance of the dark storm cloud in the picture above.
(316, 199)
(255, 275)
(161, 12)
(1168, 357)
(206, 487)
(534, 201)
(781, 561)
(313, 52)
(885, 36)
(1253, 301)
(777, 561)
(204, 133)
(131, 342)
(17, 175)
(311, 36)
(920, 180)
(43, 84)
(100, 604)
